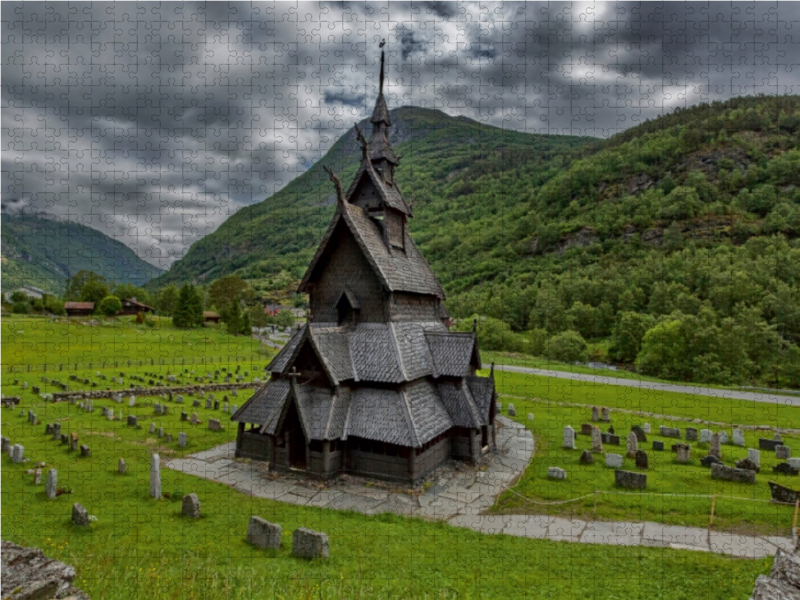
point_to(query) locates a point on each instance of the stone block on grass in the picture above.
(264, 534)
(191, 506)
(307, 543)
(630, 480)
(724, 473)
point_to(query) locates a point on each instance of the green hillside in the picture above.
(685, 228)
(44, 251)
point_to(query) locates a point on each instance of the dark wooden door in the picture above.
(297, 439)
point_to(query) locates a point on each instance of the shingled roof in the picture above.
(482, 389)
(265, 406)
(388, 193)
(452, 352)
(458, 401)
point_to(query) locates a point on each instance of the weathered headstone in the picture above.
(48, 429)
(705, 436)
(587, 458)
(216, 404)
(79, 515)
(765, 444)
(777, 437)
(157, 409)
(264, 534)
(641, 460)
(595, 413)
(597, 440)
(155, 476)
(670, 432)
(191, 506)
(641, 436)
(57, 431)
(714, 447)
(723, 437)
(73, 441)
(794, 462)
(630, 480)
(614, 460)
(783, 452)
(569, 438)
(738, 437)
(17, 453)
(85, 451)
(556, 473)
(307, 543)
(195, 420)
(632, 445)
(709, 460)
(606, 415)
(160, 432)
(586, 429)
(724, 473)
(132, 422)
(499, 408)
(214, 425)
(122, 468)
(182, 440)
(152, 428)
(195, 403)
(184, 416)
(6, 443)
(37, 477)
(646, 427)
(51, 484)
(132, 401)
(512, 412)
(691, 434)
(234, 408)
(785, 468)
(683, 453)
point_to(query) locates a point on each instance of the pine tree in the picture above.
(195, 308)
(181, 317)
(246, 327)
(235, 318)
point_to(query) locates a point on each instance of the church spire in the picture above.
(380, 149)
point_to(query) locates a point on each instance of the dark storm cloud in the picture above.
(154, 122)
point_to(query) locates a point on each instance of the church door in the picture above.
(297, 439)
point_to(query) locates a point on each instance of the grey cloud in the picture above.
(157, 121)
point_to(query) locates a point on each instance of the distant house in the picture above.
(78, 309)
(28, 290)
(210, 316)
(271, 309)
(130, 307)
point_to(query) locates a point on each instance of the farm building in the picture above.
(210, 317)
(374, 383)
(130, 307)
(78, 309)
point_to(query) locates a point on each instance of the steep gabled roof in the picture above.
(482, 389)
(398, 271)
(452, 352)
(390, 195)
(460, 404)
(265, 406)
(280, 363)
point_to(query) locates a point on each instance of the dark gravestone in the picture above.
(785, 469)
(765, 444)
(586, 429)
(658, 445)
(709, 460)
(630, 480)
(691, 434)
(640, 435)
(748, 465)
(671, 432)
(730, 474)
(610, 439)
(641, 460)
(587, 458)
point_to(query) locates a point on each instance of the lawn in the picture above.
(143, 548)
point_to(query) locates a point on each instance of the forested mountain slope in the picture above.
(44, 251)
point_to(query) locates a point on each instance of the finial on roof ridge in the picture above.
(363, 141)
(339, 189)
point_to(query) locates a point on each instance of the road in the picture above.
(765, 397)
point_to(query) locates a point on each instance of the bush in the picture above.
(21, 308)
(110, 305)
(568, 347)
(54, 306)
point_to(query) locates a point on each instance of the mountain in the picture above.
(42, 250)
(674, 245)
(441, 159)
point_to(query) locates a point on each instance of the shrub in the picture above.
(567, 346)
(109, 306)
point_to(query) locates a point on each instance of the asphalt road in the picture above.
(766, 397)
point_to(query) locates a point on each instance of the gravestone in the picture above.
(191, 506)
(179, 399)
(182, 440)
(512, 412)
(216, 404)
(73, 441)
(5, 444)
(122, 468)
(57, 431)
(17, 453)
(641, 436)
(37, 477)
(705, 436)
(632, 445)
(157, 409)
(307, 543)
(605, 415)
(85, 451)
(614, 461)
(132, 401)
(709, 460)
(208, 404)
(184, 416)
(194, 420)
(610, 438)
(670, 432)
(510, 409)
(168, 438)
(691, 434)
(587, 458)
(723, 437)
(79, 516)
(48, 429)
(132, 422)
(730, 474)
(777, 437)
(556, 473)
(765, 444)
(597, 440)
(51, 484)
(630, 480)
(785, 468)
(499, 407)
(110, 414)
(646, 427)
(714, 447)
(738, 437)
(160, 432)
(569, 438)
(684, 453)
(658, 445)
(749, 464)
(641, 460)
(595, 413)
(235, 408)
(586, 429)
(214, 425)
(783, 452)
(152, 428)
(264, 534)
(794, 462)
(155, 476)
(195, 403)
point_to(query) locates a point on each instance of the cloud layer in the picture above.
(153, 122)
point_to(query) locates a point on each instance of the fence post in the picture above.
(794, 521)
(713, 508)
(595, 505)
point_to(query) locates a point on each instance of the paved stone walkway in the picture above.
(770, 398)
(460, 497)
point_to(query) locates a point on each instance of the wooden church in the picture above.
(374, 383)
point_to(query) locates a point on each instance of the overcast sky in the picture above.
(153, 122)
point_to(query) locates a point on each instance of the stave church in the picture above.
(374, 383)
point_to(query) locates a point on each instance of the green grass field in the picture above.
(143, 548)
